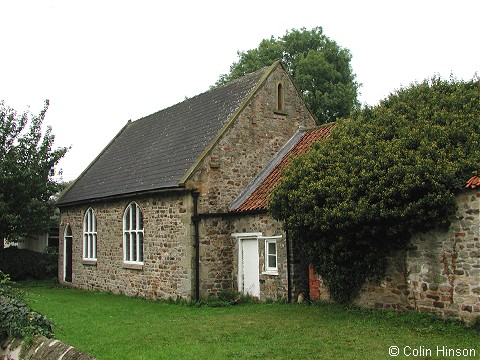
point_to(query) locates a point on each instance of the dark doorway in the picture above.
(67, 263)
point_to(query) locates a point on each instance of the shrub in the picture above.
(22, 264)
(388, 172)
(16, 318)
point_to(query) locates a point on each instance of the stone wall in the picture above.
(219, 256)
(243, 150)
(257, 133)
(440, 274)
(168, 248)
(40, 348)
(273, 287)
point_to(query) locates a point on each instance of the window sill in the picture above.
(89, 262)
(270, 272)
(138, 266)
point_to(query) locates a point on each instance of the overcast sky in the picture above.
(101, 63)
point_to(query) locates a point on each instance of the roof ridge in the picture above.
(182, 134)
(243, 78)
(266, 71)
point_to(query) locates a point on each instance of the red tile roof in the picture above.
(473, 182)
(258, 199)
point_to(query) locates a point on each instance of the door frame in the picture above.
(67, 255)
(242, 237)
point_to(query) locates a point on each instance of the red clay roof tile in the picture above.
(473, 182)
(258, 199)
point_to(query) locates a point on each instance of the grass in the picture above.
(117, 327)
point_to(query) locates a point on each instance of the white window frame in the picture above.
(270, 270)
(133, 235)
(90, 235)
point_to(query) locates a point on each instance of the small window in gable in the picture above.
(133, 234)
(90, 235)
(280, 97)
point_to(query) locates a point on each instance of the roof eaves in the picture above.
(67, 189)
(227, 125)
(123, 195)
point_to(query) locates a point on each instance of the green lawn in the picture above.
(117, 327)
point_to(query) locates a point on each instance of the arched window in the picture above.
(280, 97)
(90, 235)
(133, 234)
(67, 253)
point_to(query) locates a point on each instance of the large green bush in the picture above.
(22, 264)
(386, 173)
(16, 318)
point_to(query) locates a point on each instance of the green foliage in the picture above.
(320, 68)
(388, 172)
(26, 158)
(24, 264)
(16, 318)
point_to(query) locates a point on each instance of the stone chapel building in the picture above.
(175, 207)
(159, 213)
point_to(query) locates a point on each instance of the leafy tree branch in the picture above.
(26, 158)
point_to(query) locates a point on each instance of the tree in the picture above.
(26, 159)
(320, 68)
(386, 173)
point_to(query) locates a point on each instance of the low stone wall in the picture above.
(40, 348)
(440, 274)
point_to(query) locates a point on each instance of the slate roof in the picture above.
(156, 151)
(255, 196)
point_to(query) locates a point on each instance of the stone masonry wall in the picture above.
(219, 254)
(242, 151)
(249, 144)
(272, 287)
(440, 274)
(257, 134)
(168, 248)
(39, 348)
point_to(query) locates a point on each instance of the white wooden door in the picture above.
(250, 267)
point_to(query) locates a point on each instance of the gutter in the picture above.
(121, 196)
(196, 222)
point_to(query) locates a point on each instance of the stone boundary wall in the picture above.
(40, 348)
(439, 274)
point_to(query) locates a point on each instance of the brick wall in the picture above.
(168, 248)
(440, 274)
